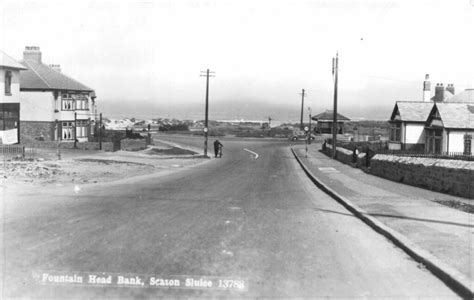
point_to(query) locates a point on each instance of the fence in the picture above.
(8, 152)
(444, 155)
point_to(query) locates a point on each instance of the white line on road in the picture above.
(254, 153)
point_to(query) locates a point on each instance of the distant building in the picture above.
(53, 105)
(9, 99)
(325, 121)
(439, 124)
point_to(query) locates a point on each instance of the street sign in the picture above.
(306, 128)
(205, 129)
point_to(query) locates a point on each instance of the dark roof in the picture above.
(456, 115)
(7, 61)
(412, 111)
(328, 116)
(42, 77)
(466, 96)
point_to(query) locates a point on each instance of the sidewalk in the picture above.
(443, 232)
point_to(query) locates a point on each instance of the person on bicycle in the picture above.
(217, 146)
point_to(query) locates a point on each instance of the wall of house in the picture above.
(15, 87)
(441, 175)
(40, 130)
(414, 134)
(37, 106)
(456, 141)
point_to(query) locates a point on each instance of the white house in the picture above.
(407, 125)
(54, 106)
(450, 128)
(9, 99)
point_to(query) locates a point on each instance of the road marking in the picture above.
(328, 170)
(254, 153)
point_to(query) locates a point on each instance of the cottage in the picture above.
(325, 121)
(450, 128)
(407, 124)
(54, 106)
(9, 99)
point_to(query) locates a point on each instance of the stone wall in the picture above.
(133, 144)
(37, 129)
(454, 177)
(345, 156)
(106, 146)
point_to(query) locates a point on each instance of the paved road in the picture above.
(238, 217)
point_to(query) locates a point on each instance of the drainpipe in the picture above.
(447, 141)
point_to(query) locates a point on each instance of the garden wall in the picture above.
(133, 144)
(454, 177)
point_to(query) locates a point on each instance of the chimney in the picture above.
(32, 53)
(55, 67)
(427, 88)
(450, 88)
(439, 92)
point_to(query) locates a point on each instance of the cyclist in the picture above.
(218, 148)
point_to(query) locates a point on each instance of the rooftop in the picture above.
(412, 111)
(328, 115)
(456, 115)
(8, 62)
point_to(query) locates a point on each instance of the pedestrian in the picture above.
(367, 156)
(355, 155)
(217, 146)
(324, 145)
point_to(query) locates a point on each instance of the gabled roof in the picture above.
(466, 96)
(328, 116)
(456, 115)
(412, 111)
(8, 62)
(42, 77)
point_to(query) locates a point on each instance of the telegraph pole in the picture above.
(335, 63)
(100, 131)
(309, 109)
(302, 105)
(206, 74)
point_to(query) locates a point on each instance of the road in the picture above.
(257, 220)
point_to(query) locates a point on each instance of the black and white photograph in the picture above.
(237, 149)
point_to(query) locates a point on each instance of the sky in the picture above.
(144, 58)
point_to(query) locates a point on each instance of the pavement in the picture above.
(438, 236)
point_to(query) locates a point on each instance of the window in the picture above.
(67, 101)
(395, 132)
(9, 115)
(467, 144)
(8, 83)
(82, 102)
(66, 132)
(81, 128)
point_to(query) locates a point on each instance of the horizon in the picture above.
(263, 52)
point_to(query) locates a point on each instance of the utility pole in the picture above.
(309, 109)
(75, 130)
(302, 105)
(269, 126)
(206, 74)
(335, 63)
(100, 131)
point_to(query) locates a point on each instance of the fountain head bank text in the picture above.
(133, 280)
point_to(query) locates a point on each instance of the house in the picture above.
(325, 121)
(54, 106)
(450, 128)
(9, 99)
(407, 124)
(416, 125)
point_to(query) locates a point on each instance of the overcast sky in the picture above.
(144, 58)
